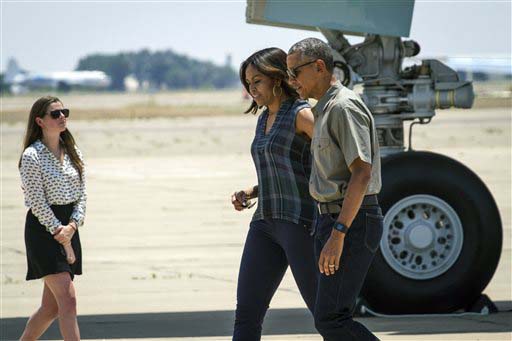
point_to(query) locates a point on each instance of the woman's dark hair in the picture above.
(34, 132)
(272, 63)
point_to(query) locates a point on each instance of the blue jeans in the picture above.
(337, 294)
(270, 247)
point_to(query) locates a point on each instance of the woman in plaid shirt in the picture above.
(279, 233)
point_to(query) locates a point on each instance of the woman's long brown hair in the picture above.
(272, 63)
(34, 132)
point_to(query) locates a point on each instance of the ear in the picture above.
(39, 121)
(320, 66)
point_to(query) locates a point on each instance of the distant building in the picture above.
(229, 60)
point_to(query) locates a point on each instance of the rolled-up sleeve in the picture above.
(78, 214)
(32, 181)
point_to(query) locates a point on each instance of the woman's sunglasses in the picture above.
(55, 114)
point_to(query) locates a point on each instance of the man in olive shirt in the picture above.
(345, 179)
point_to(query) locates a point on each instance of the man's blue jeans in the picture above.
(337, 294)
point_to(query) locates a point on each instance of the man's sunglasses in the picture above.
(293, 73)
(55, 114)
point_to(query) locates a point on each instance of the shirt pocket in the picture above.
(320, 143)
(321, 151)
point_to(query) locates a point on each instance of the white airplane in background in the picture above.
(490, 68)
(474, 68)
(21, 81)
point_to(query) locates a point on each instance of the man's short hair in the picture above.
(316, 49)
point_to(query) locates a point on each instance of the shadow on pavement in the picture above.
(277, 322)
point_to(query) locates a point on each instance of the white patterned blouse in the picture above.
(46, 181)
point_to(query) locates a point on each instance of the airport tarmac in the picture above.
(162, 243)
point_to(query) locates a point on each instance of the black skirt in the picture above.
(45, 255)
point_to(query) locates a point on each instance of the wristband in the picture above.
(340, 227)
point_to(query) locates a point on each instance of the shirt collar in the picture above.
(319, 108)
(39, 146)
(287, 103)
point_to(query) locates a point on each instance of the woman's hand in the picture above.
(239, 200)
(64, 234)
(242, 199)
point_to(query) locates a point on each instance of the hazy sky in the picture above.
(53, 35)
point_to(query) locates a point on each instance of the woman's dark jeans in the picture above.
(337, 294)
(270, 247)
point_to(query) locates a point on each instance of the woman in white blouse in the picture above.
(53, 180)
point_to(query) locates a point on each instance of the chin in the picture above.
(303, 96)
(257, 101)
(301, 93)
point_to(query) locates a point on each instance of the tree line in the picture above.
(159, 69)
(4, 87)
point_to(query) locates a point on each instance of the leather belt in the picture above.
(335, 206)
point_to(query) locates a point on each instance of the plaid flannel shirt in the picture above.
(283, 164)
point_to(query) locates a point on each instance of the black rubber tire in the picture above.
(410, 173)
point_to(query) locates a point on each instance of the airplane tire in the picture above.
(442, 236)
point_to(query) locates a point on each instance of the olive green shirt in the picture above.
(343, 125)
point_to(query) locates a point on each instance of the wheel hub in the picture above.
(422, 237)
